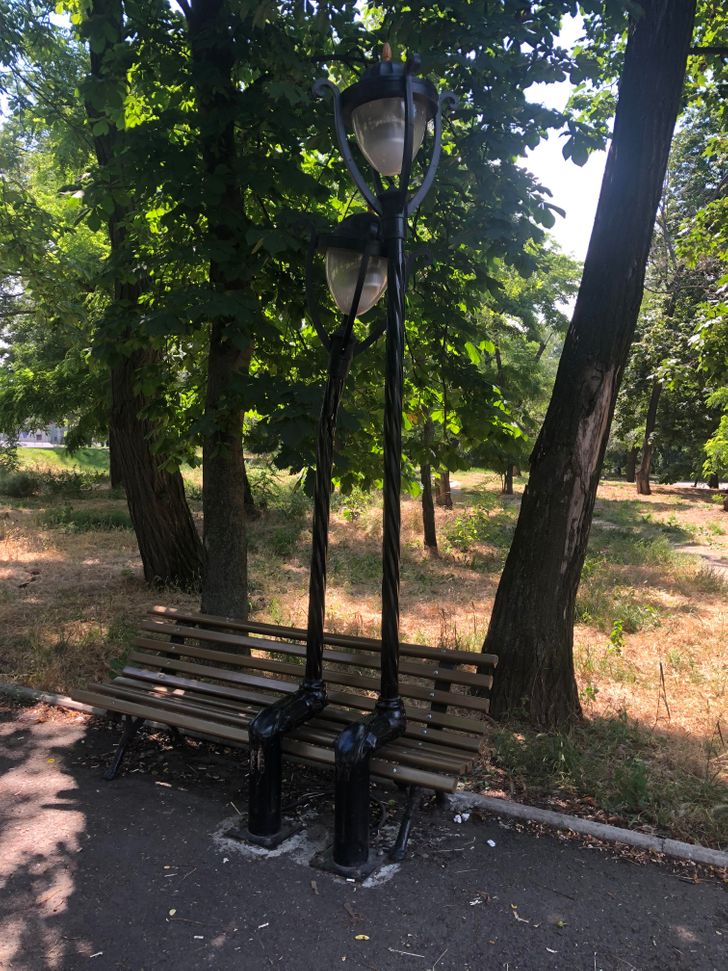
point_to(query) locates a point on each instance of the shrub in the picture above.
(19, 485)
(69, 483)
(85, 520)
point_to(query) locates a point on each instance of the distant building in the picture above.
(50, 435)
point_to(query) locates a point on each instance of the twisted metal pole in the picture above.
(341, 352)
(392, 457)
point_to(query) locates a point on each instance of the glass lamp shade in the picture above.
(342, 273)
(379, 130)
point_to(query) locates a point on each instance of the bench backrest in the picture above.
(438, 685)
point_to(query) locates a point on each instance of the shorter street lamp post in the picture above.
(388, 111)
(356, 272)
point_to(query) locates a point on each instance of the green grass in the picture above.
(58, 457)
(622, 766)
(85, 520)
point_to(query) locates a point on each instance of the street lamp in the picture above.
(356, 270)
(388, 111)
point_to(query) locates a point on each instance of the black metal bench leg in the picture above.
(132, 727)
(265, 737)
(398, 851)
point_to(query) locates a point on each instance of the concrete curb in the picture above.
(61, 701)
(489, 804)
(588, 827)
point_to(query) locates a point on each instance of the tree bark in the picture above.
(531, 627)
(648, 445)
(631, 470)
(225, 578)
(443, 495)
(168, 542)
(507, 489)
(714, 481)
(116, 473)
(428, 506)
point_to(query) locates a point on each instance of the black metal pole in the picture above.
(339, 364)
(267, 729)
(393, 229)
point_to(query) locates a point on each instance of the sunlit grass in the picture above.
(652, 625)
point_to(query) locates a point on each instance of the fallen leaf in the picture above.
(361, 937)
(172, 912)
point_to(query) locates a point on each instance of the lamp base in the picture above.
(324, 860)
(243, 834)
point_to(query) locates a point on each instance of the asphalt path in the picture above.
(138, 874)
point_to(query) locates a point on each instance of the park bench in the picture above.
(210, 676)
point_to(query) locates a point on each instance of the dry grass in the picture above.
(650, 641)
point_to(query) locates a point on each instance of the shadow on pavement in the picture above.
(135, 875)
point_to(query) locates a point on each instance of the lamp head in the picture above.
(374, 108)
(345, 249)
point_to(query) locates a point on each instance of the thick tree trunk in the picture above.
(631, 470)
(428, 506)
(168, 542)
(225, 580)
(531, 626)
(714, 481)
(116, 473)
(648, 444)
(443, 495)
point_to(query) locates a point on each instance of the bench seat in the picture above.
(210, 676)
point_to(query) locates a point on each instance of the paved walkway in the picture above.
(136, 874)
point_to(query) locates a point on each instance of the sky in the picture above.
(574, 188)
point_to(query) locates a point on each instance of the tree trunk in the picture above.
(631, 470)
(251, 510)
(428, 506)
(714, 481)
(531, 627)
(225, 579)
(648, 445)
(116, 473)
(168, 542)
(507, 489)
(443, 495)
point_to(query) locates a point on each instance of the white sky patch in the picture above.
(575, 189)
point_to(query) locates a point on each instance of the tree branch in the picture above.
(716, 51)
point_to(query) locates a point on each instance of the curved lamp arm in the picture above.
(409, 121)
(445, 99)
(310, 300)
(319, 89)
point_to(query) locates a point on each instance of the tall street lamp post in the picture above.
(388, 111)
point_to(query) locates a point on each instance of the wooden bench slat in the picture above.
(428, 672)
(317, 731)
(331, 717)
(407, 689)
(347, 699)
(438, 736)
(234, 734)
(340, 640)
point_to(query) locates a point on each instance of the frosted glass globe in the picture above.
(379, 130)
(342, 273)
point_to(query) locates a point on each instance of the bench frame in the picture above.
(194, 683)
